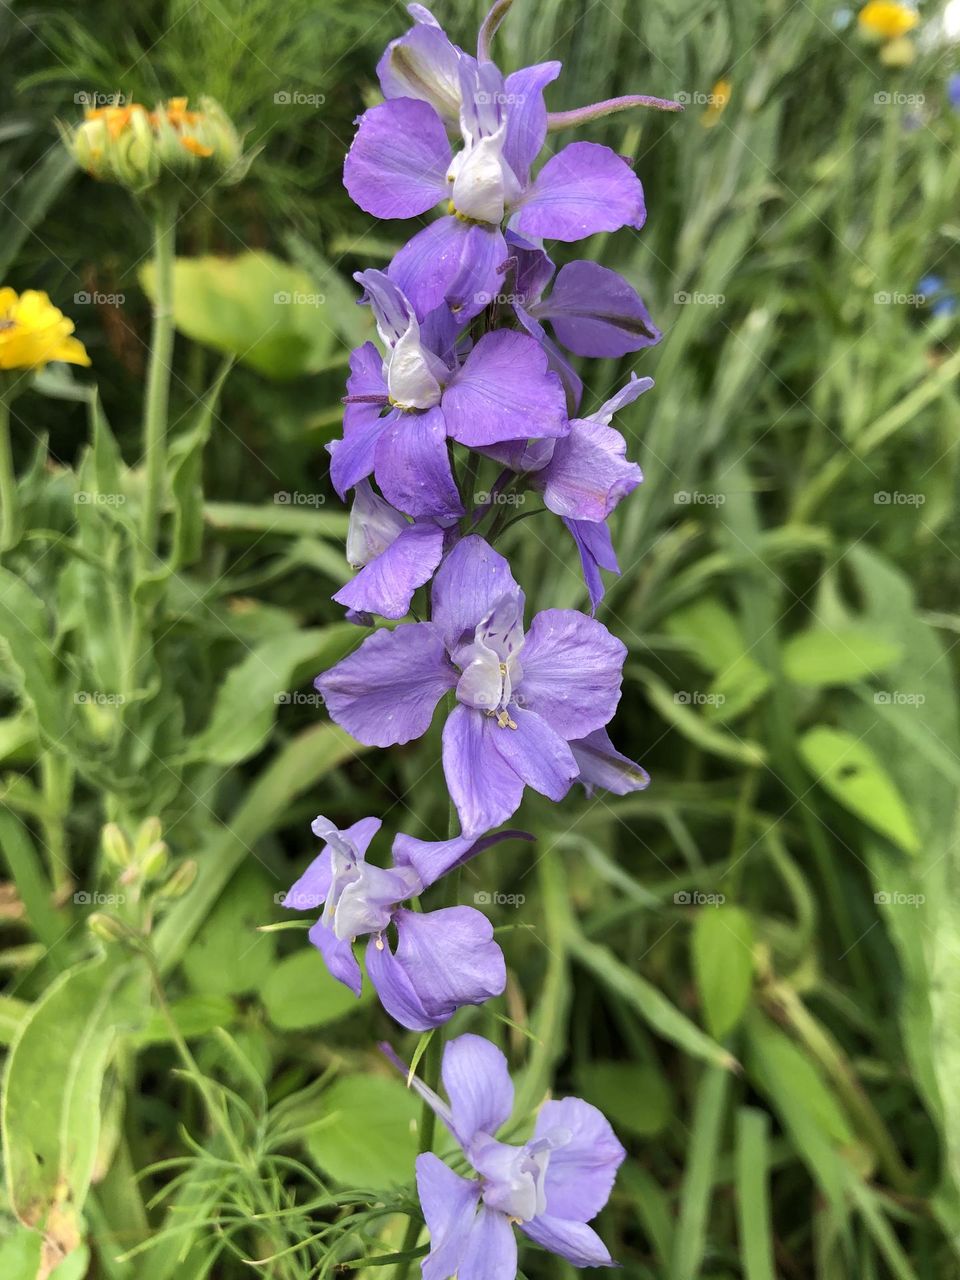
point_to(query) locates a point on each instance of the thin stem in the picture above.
(8, 482)
(155, 411)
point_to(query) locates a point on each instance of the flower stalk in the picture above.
(156, 402)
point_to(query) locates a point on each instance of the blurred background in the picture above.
(754, 966)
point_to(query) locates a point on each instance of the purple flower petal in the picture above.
(432, 859)
(363, 422)
(484, 788)
(491, 1252)
(386, 691)
(338, 955)
(450, 958)
(477, 1082)
(527, 115)
(580, 1172)
(629, 392)
(386, 585)
(395, 990)
(309, 891)
(596, 552)
(595, 312)
(602, 765)
(556, 360)
(397, 165)
(504, 391)
(588, 473)
(423, 64)
(537, 754)
(413, 467)
(572, 668)
(358, 835)
(449, 1205)
(451, 259)
(583, 189)
(470, 582)
(575, 1241)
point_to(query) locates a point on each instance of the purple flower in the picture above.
(443, 959)
(503, 390)
(551, 1186)
(953, 90)
(602, 765)
(401, 164)
(520, 697)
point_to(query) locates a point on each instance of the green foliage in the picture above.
(751, 967)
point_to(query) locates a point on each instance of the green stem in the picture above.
(8, 482)
(155, 410)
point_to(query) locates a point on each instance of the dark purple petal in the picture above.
(386, 585)
(572, 668)
(596, 552)
(588, 473)
(363, 422)
(491, 1252)
(602, 765)
(522, 455)
(470, 582)
(450, 958)
(504, 391)
(580, 1172)
(423, 64)
(450, 256)
(449, 1205)
(527, 115)
(479, 278)
(556, 360)
(338, 955)
(484, 788)
(534, 268)
(385, 693)
(309, 891)
(596, 313)
(583, 189)
(537, 754)
(397, 165)
(412, 465)
(477, 1082)
(575, 1241)
(432, 859)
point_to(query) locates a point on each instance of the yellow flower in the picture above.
(717, 101)
(885, 20)
(136, 147)
(33, 332)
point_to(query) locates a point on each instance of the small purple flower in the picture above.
(401, 164)
(953, 90)
(520, 697)
(503, 390)
(443, 959)
(551, 1186)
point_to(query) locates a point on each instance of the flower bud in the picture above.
(180, 881)
(106, 928)
(148, 833)
(116, 846)
(154, 861)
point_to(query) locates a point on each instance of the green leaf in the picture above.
(723, 965)
(247, 700)
(696, 729)
(52, 1088)
(736, 689)
(847, 769)
(27, 653)
(753, 1194)
(195, 1015)
(266, 313)
(228, 955)
(367, 1134)
(822, 656)
(185, 467)
(710, 631)
(635, 1097)
(301, 992)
